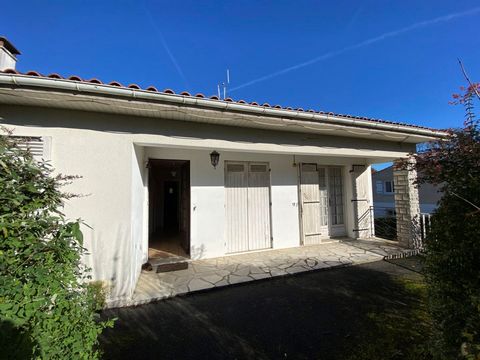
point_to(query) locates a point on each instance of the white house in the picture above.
(285, 177)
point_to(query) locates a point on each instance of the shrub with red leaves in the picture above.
(453, 244)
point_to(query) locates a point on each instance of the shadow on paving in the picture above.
(315, 315)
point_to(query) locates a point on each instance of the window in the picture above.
(335, 183)
(379, 187)
(389, 188)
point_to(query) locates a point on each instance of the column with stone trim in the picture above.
(407, 207)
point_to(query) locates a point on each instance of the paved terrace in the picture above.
(236, 269)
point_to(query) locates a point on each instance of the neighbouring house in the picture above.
(190, 176)
(384, 190)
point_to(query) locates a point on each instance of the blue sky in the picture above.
(395, 60)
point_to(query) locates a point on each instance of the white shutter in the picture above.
(258, 207)
(379, 186)
(236, 184)
(314, 204)
(247, 191)
(361, 202)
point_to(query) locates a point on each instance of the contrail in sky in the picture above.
(166, 47)
(364, 43)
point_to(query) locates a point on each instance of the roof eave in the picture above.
(53, 84)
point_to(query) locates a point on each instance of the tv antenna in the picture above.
(223, 86)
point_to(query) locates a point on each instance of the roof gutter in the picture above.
(109, 90)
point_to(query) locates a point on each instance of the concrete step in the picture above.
(171, 263)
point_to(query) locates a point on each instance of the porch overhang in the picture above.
(364, 156)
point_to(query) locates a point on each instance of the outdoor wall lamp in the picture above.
(214, 157)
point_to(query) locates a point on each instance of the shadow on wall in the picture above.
(30, 116)
(111, 261)
(197, 252)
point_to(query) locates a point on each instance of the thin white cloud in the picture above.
(364, 43)
(166, 47)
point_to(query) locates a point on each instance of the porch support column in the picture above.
(407, 207)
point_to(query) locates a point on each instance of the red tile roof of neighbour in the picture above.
(199, 95)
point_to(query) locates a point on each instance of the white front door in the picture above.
(247, 191)
(314, 203)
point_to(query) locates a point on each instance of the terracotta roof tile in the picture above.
(199, 95)
(55, 76)
(32, 73)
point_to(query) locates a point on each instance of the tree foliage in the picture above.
(47, 310)
(453, 244)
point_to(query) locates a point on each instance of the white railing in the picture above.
(424, 228)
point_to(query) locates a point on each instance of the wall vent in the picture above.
(35, 144)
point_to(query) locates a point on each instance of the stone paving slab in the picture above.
(237, 269)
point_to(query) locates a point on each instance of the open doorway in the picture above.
(169, 208)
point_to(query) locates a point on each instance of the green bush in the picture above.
(453, 243)
(47, 308)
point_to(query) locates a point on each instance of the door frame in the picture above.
(188, 199)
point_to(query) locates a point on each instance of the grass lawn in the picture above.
(397, 332)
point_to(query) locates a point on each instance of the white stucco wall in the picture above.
(110, 153)
(208, 195)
